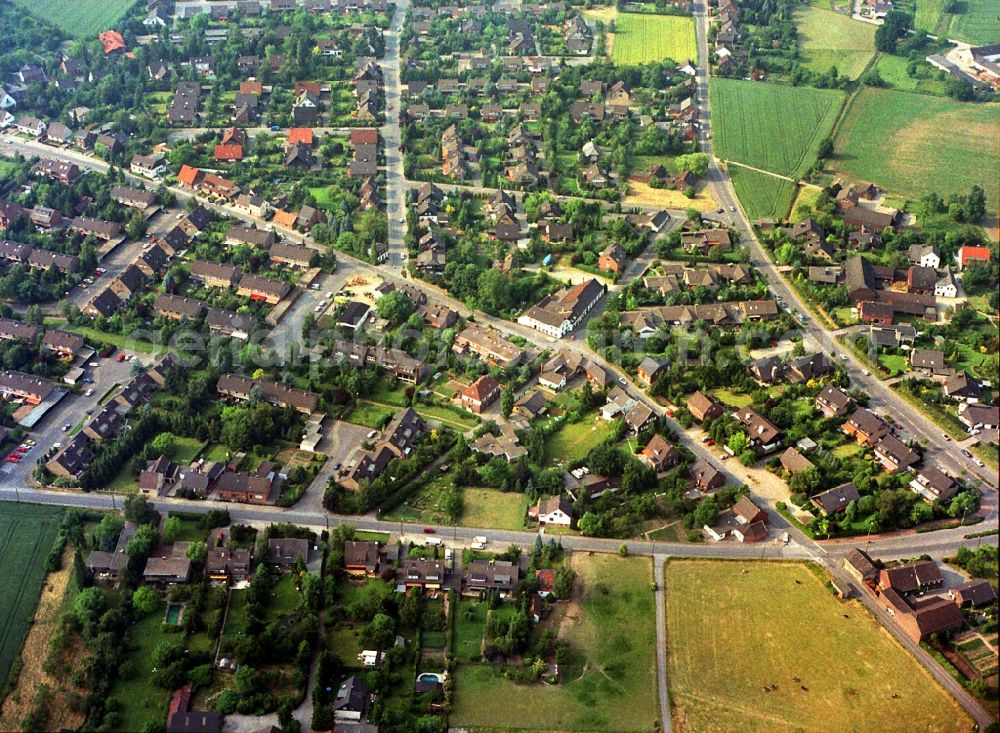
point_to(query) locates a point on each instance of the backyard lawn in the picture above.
(895, 364)
(825, 660)
(609, 683)
(642, 38)
(573, 441)
(369, 415)
(493, 509)
(731, 398)
(143, 703)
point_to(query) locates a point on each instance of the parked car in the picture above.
(372, 434)
(966, 453)
(429, 530)
(121, 357)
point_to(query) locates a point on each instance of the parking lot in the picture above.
(70, 411)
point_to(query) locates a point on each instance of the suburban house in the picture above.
(764, 435)
(866, 427)
(834, 500)
(286, 551)
(911, 578)
(559, 314)
(658, 454)
(706, 477)
(934, 484)
(363, 558)
(557, 510)
(704, 407)
(480, 394)
(894, 454)
(492, 575)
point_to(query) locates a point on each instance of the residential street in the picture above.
(343, 438)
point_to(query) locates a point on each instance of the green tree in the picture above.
(379, 633)
(140, 510)
(145, 601)
(172, 529)
(507, 399)
(394, 307)
(696, 163)
(197, 553)
(164, 444)
(706, 513)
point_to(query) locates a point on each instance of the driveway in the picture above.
(339, 443)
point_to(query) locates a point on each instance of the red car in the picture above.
(14, 457)
(21, 449)
(772, 342)
(670, 413)
(121, 357)
(709, 442)
(429, 530)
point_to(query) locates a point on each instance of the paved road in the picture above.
(395, 180)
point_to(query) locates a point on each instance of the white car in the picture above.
(372, 434)
(329, 294)
(93, 364)
(57, 444)
(88, 392)
(317, 309)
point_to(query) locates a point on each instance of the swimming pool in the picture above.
(173, 614)
(428, 677)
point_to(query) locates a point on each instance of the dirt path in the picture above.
(33, 655)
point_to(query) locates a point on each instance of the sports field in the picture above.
(761, 195)
(976, 24)
(766, 646)
(641, 38)
(772, 127)
(609, 683)
(78, 18)
(27, 532)
(912, 144)
(830, 39)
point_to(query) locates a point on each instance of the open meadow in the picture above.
(27, 532)
(641, 38)
(772, 127)
(913, 144)
(766, 646)
(976, 24)
(760, 194)
(830, 39)
(78, 18)
(609, 683)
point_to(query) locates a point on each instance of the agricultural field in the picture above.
(609, 683)
(27, 532)
(78, 18)
(760, 194)
(976, 24)
(852, 675)
(830, 39)
(642, 38)
(924, 144)
(771, 127)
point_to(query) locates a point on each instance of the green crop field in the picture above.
(27, 532)
(740, 657)
(609, 683)
(976, 24)
(760, 194)
(830, 39)
(912, 144)
(78, 18)
(643, 38)
(771, 127)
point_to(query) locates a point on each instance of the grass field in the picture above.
(78, 18)
(760, 194)
(807, 197)
(924, 144)
(492, 508)
(830, 39)
(892, 69)
(641, 39)
(771, 127)
(977, 24)
(575, 440)
(610, 683)
(839, 671)
(26, 536)
(645, 195)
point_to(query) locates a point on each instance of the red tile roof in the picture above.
(364, 136)
(974, 254)
(251, 87)
(188, 175)
(302, 135)
(112, 41)
(481, 388)
(228, 152)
